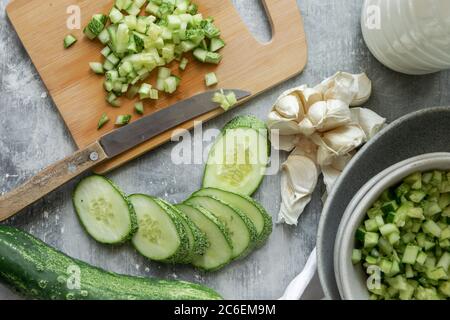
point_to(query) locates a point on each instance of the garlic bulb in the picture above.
(322, 133)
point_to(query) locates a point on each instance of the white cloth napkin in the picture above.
(296, 289)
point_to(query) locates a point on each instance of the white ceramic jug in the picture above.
(408, 36)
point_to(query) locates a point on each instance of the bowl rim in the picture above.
(423, 162)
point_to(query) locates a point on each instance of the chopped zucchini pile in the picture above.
(214, 226)
(142, 36)
(406, 234)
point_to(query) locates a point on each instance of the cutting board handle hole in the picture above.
(254, 16)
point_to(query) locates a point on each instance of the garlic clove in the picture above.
(343, 87)
(309, 96)
(284, 126)
(364, 92)
(344, 139)
(306, 127)
(317, 113)
(305, 147)
(332, 172)
(369, 121)
(298, 180)
(328, 115)
(282, 142)
(288, 107)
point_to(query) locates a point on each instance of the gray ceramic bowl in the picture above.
(417, 133)
(355, 201)
(352, 277)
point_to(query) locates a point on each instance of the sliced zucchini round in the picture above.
(161, 235)
(255, 211)
(104, 211)
(220, 250)
(238, 160)
(242, 231)
(198, 242)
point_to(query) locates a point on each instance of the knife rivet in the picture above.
(93, 156)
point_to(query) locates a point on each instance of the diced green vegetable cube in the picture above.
(393, 238)
(370, 239)
(390, 206)
(385, 266)
(139, 107)
(123, 120)
(432, 228)
(97, 67)
(211, 79)
(431, 208)
(69, 40)
(102, 121)
(356, 256)
(410, 254)
(216, 44)
(388, 228)
(444, 288)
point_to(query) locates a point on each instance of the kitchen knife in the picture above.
(109, 146)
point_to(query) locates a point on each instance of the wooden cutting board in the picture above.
(79, 94)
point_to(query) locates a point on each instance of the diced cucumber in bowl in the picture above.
(105, 212)
(257, 214)
(238, 160)
(242, 231)
(220, 250)
(161, 235)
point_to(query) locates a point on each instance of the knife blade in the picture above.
(127, 137)
(110, 145)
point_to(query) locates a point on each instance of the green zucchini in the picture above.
(242, 231)
(255, 211)
(238, 160)
(105, 212)
(220, 250)
(38, 271)
(161, 235)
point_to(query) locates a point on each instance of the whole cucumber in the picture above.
(38, 271)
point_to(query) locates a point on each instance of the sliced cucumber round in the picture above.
(161, 235)
(238, 160)
(220, 251)
(242, 231)
(255, 211)
(105, 212)
(198, 242)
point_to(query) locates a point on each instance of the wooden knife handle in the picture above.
(49, 179)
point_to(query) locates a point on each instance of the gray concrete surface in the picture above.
(33, 135)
